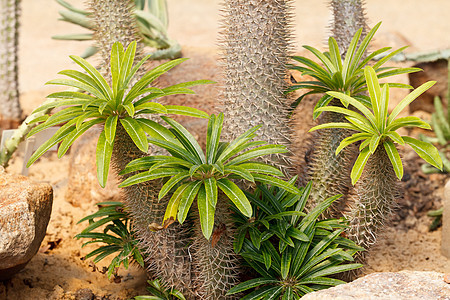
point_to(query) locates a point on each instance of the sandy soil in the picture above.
(57, 271)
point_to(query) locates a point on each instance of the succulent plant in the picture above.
(10, 109)
(205, 177)
(159, 291)
(328, 170)
(120, 109)
(197, 175)
(292, 251)
(378, 165)
(151, 20)
(118, 236)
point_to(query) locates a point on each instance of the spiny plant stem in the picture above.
(9, 39)
(216, 266)
(330, 173)
(256, 48)
(166, 251)
(374, 199)
(348, 17)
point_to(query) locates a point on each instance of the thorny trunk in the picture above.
(10, 110)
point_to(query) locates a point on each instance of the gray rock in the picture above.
(25, 208)
(411, 285)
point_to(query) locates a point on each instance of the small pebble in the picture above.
(447, 278)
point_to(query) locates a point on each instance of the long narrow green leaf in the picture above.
(174, 180)
(256, 167)
(206, 213)
(74, 135)
(56, 138)
(186, 111)
(115, 60)
(213, 137)
(351, 139)
(235, 194)
(78, 85)
(322, 58)
(136, 132)
(425, 150)
(174, 202)
(103, 158)
(150, 175)
(126, 63)
(187, 139)
(110, 128)
(349, 63)
(334, 53)
(359, 165)
(187, 198)
(249, 284)
(257, 152)
(211, 190)
(157, 131)
(98, 78)
(374, 92)
(409, 98)
(394, 157)
(356, 104)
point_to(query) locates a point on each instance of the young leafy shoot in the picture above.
(97, 102)
(376, 127)
(293, 251)
(347, 76)
(197, 175)
(117, 236)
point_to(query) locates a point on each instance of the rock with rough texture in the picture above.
(445, 243)
(25, 208)
(411, 285)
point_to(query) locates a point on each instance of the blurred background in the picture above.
(424, 25)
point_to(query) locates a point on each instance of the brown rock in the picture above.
(411, 285)
(436, 70)
(25, 208)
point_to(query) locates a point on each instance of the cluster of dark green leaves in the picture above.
(377, 127)
(160, 292)
(98, 103)
(293, 252)
(152, 22)
(198, 175)
(348, 76)
(117, 234)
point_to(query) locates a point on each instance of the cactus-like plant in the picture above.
(378, 164)
(166, 253)
(205, 177)
(10, 109)
(120, 109)
(328, 170)
(348, 18)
